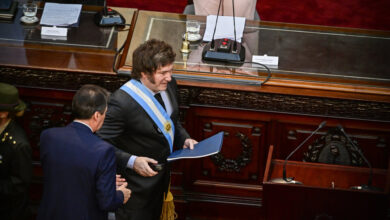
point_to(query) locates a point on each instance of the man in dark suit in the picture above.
(78, 167)
(144, 130)
(15, 157)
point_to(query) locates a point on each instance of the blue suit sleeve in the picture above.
(108, 198)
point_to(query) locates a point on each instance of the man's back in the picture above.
(79, 174)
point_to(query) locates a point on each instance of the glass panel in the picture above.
(310, 53)
(87, 34)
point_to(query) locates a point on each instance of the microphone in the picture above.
(105, 8)
(109, 17)
(291, 180)
(369, 186)
(224, 50)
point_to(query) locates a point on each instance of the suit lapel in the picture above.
(171, 94)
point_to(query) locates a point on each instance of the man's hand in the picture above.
(189, 143)
(126, 192)
(119, 181)
(142, 167)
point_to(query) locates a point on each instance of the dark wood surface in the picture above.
(87, 47)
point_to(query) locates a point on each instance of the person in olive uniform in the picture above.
(15, 157)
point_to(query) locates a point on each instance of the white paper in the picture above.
(55, 14)
(225, 27)
(266, 60)
(55, 38)
(54, 31)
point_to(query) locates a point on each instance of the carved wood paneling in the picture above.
(251, 122)
(239, 162)
(240, 157)
(334, 148)
(372, 141)
(292, 104)
(237, 171)
(59, 80)
(42, 115)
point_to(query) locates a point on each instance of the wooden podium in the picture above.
(325, 192)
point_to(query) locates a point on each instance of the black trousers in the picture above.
(151, 212)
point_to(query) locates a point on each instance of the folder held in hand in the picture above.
(207, 147)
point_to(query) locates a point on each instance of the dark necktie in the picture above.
(160, 100)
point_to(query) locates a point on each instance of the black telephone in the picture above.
(156, 167)
(109, 17)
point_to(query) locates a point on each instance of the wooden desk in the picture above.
(325, 192)
(87, 48)
(313, 60)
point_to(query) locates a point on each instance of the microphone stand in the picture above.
(234, 25)
(105, 8)
(212, 46)
(291, 180)
(369, 183)
(224, 50)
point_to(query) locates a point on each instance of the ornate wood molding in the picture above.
(290, 104)
(279, 103)
(59, 80)
(235, 165)
(333, 148)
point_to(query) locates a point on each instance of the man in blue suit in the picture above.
(78, 167)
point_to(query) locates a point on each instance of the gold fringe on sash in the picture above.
(168, 209)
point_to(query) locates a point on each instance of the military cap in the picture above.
(9, 99)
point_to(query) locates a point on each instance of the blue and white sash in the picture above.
(154, 109)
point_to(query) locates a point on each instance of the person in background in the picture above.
(143, 123)
(79, 169)
(243, 8)
(84, 2)
(15, 157)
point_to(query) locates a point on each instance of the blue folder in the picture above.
(207, 147)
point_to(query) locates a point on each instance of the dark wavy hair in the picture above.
(88, 100)
(151, 55)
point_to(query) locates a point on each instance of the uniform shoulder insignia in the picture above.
(8, 138)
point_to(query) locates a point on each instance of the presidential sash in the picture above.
(152, 107)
